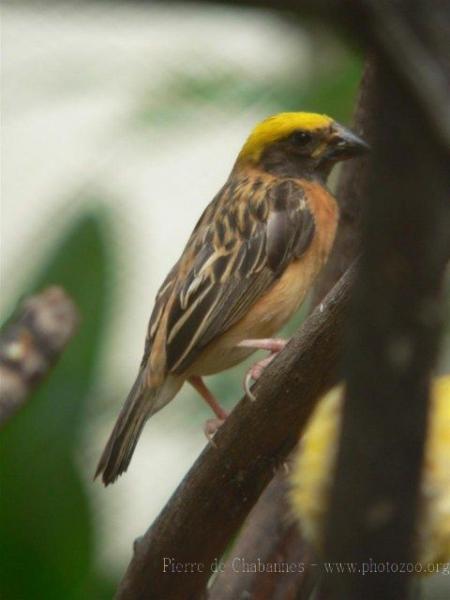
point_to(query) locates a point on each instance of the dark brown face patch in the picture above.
(290, 158)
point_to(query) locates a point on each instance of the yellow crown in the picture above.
(278, 126)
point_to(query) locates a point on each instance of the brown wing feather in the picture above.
(246, 247)
(161, 299)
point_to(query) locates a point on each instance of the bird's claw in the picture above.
(272, 345)
(248, 379)
(254, 373)
(210, 428)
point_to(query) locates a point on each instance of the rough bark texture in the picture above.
(393, 340)
(270, 540)
(216, 495)
(31, 344)
(351, 193)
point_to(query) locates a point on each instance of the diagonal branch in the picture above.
(191, 531)
(268, 537)
(31, 344)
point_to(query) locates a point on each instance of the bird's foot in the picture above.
(211, 427)
(254, 373)
(273, 345)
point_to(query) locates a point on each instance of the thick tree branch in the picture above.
(351, 192)
(393, 340)
(216, 495)
(270, 537)
(31, 344)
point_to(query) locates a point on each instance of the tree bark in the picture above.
(393, 341)
(31, 344)
(351, 192)
(270, 539)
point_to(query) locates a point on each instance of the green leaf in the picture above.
(45, 523)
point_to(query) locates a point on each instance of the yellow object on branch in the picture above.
(312, 477)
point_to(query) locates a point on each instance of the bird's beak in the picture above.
(344, 144)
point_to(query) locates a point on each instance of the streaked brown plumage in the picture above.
(245, 270)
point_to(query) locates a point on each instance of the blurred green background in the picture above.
(121, 121)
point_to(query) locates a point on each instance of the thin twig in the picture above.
(31, 344)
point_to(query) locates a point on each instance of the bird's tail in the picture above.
(142, 402)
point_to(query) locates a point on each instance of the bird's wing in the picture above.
(161, 300)
(236, 253)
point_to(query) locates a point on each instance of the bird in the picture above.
(246, 268)
(311, 477)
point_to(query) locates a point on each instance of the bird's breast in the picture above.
(274, 309)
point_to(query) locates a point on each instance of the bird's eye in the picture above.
(301, 138)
